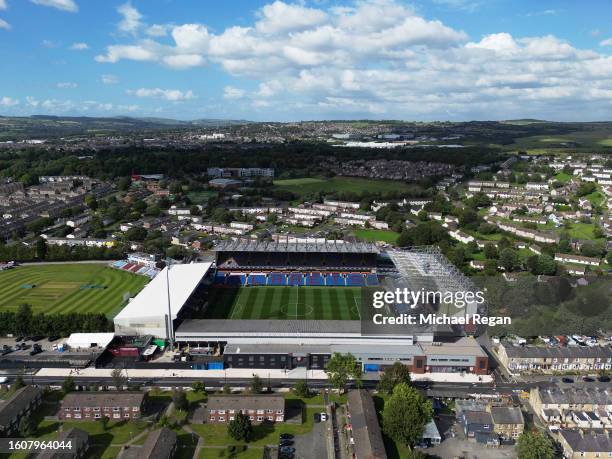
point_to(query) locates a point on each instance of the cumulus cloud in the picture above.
(381, 58)
(64, 5)
(8, 101)
(4, 25)
(157, 30)
(131, 18)
(79, 46)
(173, 95)
(67, 85)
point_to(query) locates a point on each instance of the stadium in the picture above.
(293, 303)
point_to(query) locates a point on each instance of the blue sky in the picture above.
(284, 61)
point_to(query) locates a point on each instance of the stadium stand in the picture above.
(315, 279)
(355, 280)
(372, 280)
(277, 279)
(295, 279)
(135, 268)
(257, 279)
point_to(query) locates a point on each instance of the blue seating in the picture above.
(335, 279)
(355, 280)
(220, 278)
(257, 279)
(120, 264)
(277, 279)
(296, 279)
(235, 280)
(372, 280)
(315, 279)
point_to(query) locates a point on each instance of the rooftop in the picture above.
(249, 245)
(94, 399)
(246, 402)
(366, 431)
(153, 299)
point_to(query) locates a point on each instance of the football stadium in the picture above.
(293, 303)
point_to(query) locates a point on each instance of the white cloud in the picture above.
(48, 43)
(4, 25)
(2, 4)
(67, 85)
(157, 30)
(232, 93)
(64, 5)
(32, 102)
(131, 18)
(606, 42)
(173, 95)
(382, 57)
(8, 102)
(109, 79)
(79, 46)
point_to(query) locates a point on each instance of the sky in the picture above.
(272, 60)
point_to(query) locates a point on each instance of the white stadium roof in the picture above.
(153, 299)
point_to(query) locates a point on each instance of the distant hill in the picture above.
(45, 126)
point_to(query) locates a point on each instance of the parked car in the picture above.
(286, 436)
(323, 416)
(567, 380)
(53, 338)
(19, 338)
(286, 442)
(603, 379)
(287, 449)
(588, 379)
(317, 417)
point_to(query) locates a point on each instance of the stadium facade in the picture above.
(276, 339)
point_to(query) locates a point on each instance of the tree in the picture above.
(23, 319)
(68, 384)
(195, 210)
(490, 251)
(272, 218)
(41, 248)
(180, 399)
(104, 421)
(240, 428)
(136, 234)
(18, 383)
(301, 389)
(508, 259)
(405, 414)
(340, 368)
(123, 184)
(199, 386)
(118, 377)
(392, 376)
(256, 385)
(227, 389)
(534, 445)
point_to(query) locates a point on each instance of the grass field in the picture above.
(60, 288)
(304, 186)
(374, 235)
(301, 303)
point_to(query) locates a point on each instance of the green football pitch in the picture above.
(300, 303)
(65, 288)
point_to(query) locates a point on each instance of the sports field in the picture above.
(301, 303)
(64, 288)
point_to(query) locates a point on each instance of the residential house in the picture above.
(259, 408)
(95, 405)
(588, 444)
(508, 421)
(79, 444)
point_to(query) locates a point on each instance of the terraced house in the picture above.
(259, 408)
(547, 359)
(20, 404)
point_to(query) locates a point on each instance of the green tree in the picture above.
(301, 389)
(227, 389)
(392, 376)
(509, 259)
(199, 386)
(179, 398)
(256, 386)
(340, 368)
(119, 379)
(23, 319)
(490, 251)
(534, 445)
(18, 383)
(41, 248)
(405, 414)
(68, 384)
(240, 428)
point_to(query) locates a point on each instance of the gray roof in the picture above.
(587, 442)
(558, 352)
(469, 405)
(576, 395)
(16, 403)
(246, 402)
(159, 444)
(77, 436)
(478, 417)
(93, 399)
(285, 327)
(250, 245)
(299, 349)
(507, 415)
(366, 431)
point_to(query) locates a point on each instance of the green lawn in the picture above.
(563, 177)
(582, 231)
(199, 197)
(595, 198)
(61, 288)
(304, 303)
(308, 185)
(605, 142)
(214, 453)
(374, 235)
